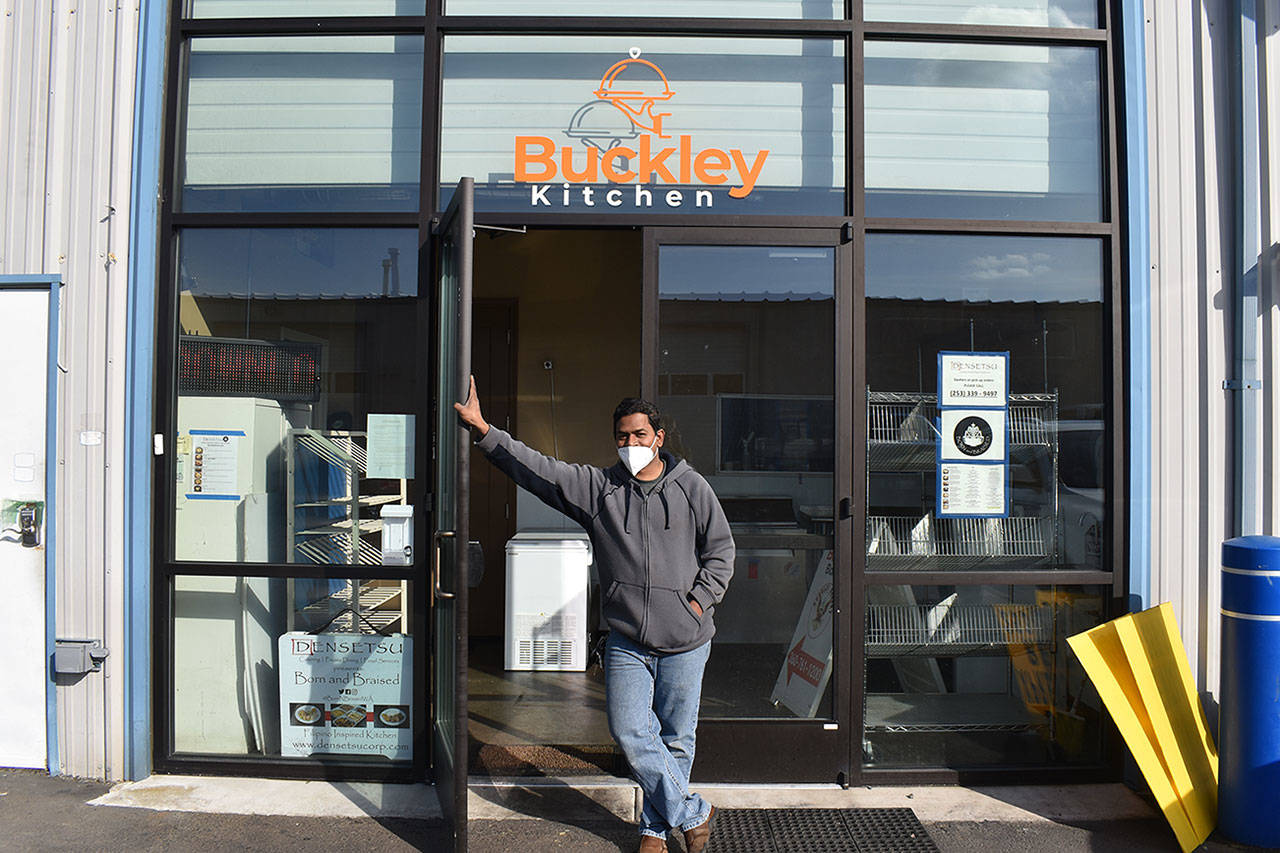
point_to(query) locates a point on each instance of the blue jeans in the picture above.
(653, 701)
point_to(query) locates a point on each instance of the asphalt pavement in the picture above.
(39, 812)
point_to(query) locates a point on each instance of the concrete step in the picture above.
(604, 798)
(596, 797)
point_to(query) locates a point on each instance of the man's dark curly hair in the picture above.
(634, 406)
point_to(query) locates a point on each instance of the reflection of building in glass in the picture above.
(599, 125)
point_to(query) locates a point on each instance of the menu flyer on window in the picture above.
(973, 441)
(973, 379)
(807, 669)
(972, 490)
(390, 446)
(346, 694)
(215, 464)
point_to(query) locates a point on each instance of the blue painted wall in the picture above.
(143, 254)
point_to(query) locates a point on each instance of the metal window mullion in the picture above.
(570, 25)
(847, 528)
(854, 597)
(321, 768)
(1115, 527)
(164, 489)
(431, 122)
(174, 568)
(990, 577)
(336, 26)
(293, 219)
(636, 220)
(1028, 228)
(982, 33)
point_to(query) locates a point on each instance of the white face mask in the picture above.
(637, 456)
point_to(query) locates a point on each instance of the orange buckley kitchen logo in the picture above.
(622, 133)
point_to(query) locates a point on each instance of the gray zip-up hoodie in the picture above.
(650, 553)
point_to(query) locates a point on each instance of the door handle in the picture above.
(435, 563)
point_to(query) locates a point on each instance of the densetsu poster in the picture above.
(346, 694)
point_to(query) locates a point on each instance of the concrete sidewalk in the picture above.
(38, 812)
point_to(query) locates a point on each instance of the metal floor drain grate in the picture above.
(888, 831)
(820, 831)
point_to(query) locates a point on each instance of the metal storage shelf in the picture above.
(338, 447)
(904, 543)
(336, 549)
(901, 435)
(899, 630)
(350, 538)
(364, 525)
(903, 534)
(364, 500)
(949, 712)
(380, 606)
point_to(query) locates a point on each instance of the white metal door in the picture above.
(24, 323)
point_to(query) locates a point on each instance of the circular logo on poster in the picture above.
(973, 436)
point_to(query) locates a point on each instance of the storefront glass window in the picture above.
(295, 440)
(303, 123)
(1032, 495)
(1014, 13)
(746, 378)
(293, 668)
(631, 124)
(963, 676)
(298, 363)
(972, 131)
(792, 9)
(303, 8)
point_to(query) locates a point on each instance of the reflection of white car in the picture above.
(1082, 498)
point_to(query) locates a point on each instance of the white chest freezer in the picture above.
(546, 615)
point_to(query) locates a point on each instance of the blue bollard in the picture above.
(1249, 713)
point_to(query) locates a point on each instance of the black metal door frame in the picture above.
(452, 249)
(790, 749)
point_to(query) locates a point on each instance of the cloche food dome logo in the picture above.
(617, 131)
(635, 96)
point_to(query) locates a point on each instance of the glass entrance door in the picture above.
(449, 528)
(748, 354)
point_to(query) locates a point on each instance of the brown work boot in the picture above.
(652, 844)
(695, 840)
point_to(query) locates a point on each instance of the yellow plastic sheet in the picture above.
(1140, 668)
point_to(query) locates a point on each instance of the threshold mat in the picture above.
(819, 831)
(545, 760)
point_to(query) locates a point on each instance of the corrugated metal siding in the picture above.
(66, 121)
(1269, 263)
(1190, 149)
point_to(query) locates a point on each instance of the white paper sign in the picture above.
(973, 379)
(390, 448)
(346, 694)
(972, 435)
(972, 489)
(807, 669)
(215, 462)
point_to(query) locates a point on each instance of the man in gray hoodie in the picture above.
(664, 556)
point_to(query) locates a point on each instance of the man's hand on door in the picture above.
(469, 412)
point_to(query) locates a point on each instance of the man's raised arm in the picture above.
(560, 485)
